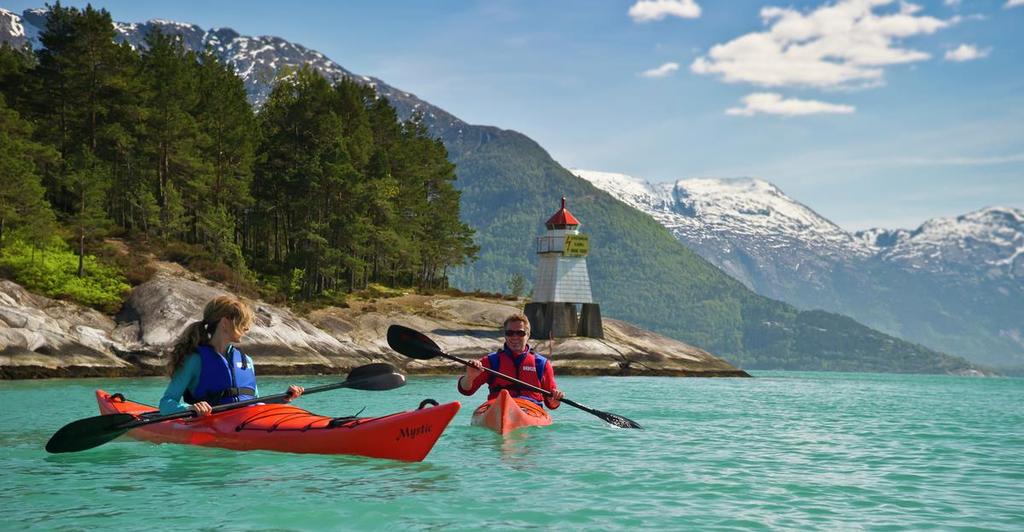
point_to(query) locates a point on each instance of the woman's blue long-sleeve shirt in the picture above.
(187, 378)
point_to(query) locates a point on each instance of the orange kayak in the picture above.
(503, 414)
(407, 436)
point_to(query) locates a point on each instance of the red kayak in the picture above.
(503, 414)
(407, 436)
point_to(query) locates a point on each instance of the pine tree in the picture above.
(16, 80)
(173, 220)
(88, 184)
(227, 142)
(121, 140)
(217, 225)
(80, 71)
(444, 240)
(22, 202)
(171, 138)
(54, 104)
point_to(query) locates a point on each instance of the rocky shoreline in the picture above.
(45, 338)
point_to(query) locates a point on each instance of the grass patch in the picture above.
(52, 270)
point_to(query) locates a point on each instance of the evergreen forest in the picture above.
(321, 192)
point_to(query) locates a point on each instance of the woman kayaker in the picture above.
(205, 366)
(515, 359)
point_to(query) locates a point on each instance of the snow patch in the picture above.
(173, 24)
(17, 30)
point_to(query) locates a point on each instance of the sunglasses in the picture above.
(515, 333)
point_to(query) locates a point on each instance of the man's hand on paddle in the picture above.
(473, 370)
(555, 399)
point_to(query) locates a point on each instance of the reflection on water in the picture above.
(516, 448)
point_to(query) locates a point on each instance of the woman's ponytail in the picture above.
(196, 334)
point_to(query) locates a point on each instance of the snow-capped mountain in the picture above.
(988, 243)
(257, 60)
(953, 284)
(746, 227)
(738, 205)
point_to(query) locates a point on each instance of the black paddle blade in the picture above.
(375, 377)
(376, 369)
(412, 343)
(88, 433)
(608, 417)
(618, 420)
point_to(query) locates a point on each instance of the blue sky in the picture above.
(874, 113)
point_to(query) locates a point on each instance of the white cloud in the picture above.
(1013, 3)
(838, 45)
(661, 71)
(966, 52)
(651, 10)
(906, 8)
(773, 104)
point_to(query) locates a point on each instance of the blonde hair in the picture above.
(200, 332)
(519, 316)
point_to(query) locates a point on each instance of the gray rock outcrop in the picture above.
(44, 337)
(41, 337)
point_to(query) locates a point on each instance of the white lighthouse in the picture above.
(563, 282)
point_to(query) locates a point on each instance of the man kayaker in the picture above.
(515, 359)
(205, 366)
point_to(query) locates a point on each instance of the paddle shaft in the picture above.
(517, 381)
(231, 406)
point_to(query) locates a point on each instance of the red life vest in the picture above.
(528, 367)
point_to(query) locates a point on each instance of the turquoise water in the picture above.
(780, 451)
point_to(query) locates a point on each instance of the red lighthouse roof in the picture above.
(563, 219)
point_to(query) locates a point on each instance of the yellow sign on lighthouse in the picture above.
(576, 246)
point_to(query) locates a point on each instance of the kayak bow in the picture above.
(503, 414)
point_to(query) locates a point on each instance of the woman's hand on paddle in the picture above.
(294, 391)
(201, 408)
(556, 398)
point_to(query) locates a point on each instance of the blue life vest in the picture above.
(223, 379)
(495, 384)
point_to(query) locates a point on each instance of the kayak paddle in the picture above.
(95, 431)
(415, 344)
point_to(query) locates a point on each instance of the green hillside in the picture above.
(641, 274)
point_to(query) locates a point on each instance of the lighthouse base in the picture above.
(590, 321)
(559, 320)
